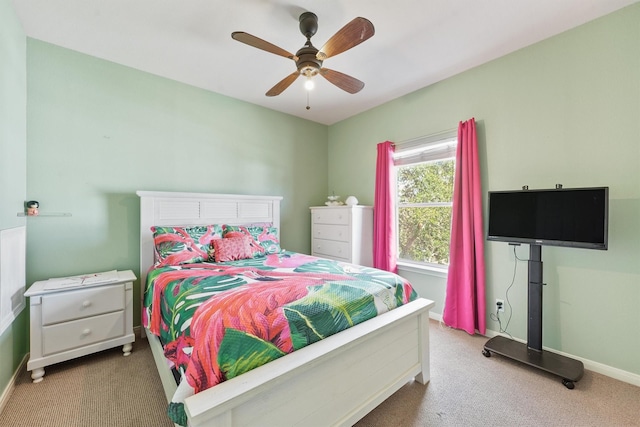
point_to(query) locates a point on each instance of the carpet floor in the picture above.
(466, 389)
(469, 389)
(104, 389)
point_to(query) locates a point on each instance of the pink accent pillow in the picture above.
(234, 234)
(264, 240)
(232, 248)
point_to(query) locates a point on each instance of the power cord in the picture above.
(496, 316)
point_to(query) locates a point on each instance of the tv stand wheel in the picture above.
(486, 353)
(568, 384)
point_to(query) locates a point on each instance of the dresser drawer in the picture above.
(82, 332)
(330, 216)
(331, 248)
(331, 232)
(65, 306)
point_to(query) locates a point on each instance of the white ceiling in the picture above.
(417, 42)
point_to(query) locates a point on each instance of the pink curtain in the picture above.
(465, 298)
(384, 224)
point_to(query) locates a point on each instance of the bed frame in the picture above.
(335, 381)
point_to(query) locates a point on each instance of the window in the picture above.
(425, 169)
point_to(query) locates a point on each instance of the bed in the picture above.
(334, 381)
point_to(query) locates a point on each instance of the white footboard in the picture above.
(332, 382)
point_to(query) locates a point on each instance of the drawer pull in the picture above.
(86, 332)
(86, 303)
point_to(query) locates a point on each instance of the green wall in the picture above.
(565, 110)
(99, 131)
(13, 118)
(13, 164)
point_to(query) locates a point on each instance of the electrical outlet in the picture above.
(500, 305)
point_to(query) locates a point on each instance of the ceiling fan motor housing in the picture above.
(308, 64)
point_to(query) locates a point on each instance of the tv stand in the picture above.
(532, 353)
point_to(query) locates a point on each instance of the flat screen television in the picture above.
(574, 217)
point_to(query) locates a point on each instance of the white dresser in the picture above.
(343, 233)
(70, 322)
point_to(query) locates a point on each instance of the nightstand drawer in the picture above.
(82, 332)
(331, 248)
(331, 216)
(331, 232)
(76, 304)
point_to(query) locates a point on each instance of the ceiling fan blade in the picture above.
(343, 81)
(283, 84)
(254, 41)
(352, 34)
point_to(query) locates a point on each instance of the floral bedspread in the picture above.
(217, 321)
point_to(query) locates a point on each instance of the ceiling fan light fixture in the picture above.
(309, 71)
(309, 84)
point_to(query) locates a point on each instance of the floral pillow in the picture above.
(264, 239)
(232, 248)
(183, 245)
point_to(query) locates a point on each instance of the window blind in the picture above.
(426, 148)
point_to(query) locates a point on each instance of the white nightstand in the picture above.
(71, 322)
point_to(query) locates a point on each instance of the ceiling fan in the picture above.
(309, 59)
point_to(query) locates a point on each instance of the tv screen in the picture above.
(575, 217)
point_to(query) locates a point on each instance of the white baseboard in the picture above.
(4, 398)
(435, 316)
(600, 368)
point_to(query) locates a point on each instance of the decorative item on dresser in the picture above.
(80, 315)
(343, 233)
(351, 201)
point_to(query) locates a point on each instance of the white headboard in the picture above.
(183, 209)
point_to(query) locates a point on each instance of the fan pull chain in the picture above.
(308, 107)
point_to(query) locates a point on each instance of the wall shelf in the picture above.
(45, 214)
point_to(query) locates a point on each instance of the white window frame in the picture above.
(432, 148)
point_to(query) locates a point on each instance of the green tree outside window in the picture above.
(425, 195)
